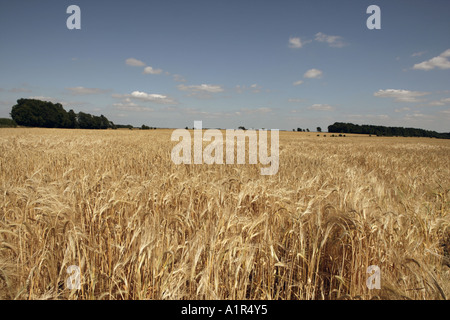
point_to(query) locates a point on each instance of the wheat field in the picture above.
(140, 227)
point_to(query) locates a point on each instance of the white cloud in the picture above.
(263, 110)
(148, 96)
(297, 83)
(440, 62)
(201, 90)
(65, 104)
(419, 116)
(418, 54)
(313, 74)
(369, 116)
(178, 78)
(295, 43)
(321, 107)
(134, 62)
(85, 91)
(402, 109)
(401, 95)
(143, 96)
(147, 70)
(205, 114)
(332, 41)
(150, 70)
(22, 90)
(43, 98)
(254, 88)
(441, 102)
(131, 106)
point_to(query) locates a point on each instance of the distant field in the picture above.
(140, 227)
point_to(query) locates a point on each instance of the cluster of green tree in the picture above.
(45, 114)
(7, 123)
(87, 121)
(123, 126)
(341, 127)
(319, 129)
(145, 127)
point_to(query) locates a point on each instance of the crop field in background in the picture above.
(140, 227)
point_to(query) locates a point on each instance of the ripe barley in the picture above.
(140, 227)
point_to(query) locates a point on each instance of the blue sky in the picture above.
(271, 64)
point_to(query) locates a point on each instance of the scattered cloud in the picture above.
(146, 96)
(418, 54)
(332, 41)
(441, 102)
(297, 83)
(170, 108)
(131, 106)
(134, 62)
(86, 91)
(202, 87)
(369, 116)
(321, 107)
(43, 98)
(402, 109)
(401, 95)
(178, 78)
(150, 70)
(143, 96)
(313, 74)
(419, 116)
(440, 62)
(147, 69)
(65, 104)
(206, 114)
(152, 97)
(201, 91)
(295, 43)
(18, 90)
(254, 88)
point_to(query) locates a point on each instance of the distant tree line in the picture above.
(145, 127)
(45, 114)
(341, 127)
(7, 123)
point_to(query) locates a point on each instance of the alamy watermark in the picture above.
(74, 20)
(74, 280)
(374, 280)
(214, 152)
(374, 21)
